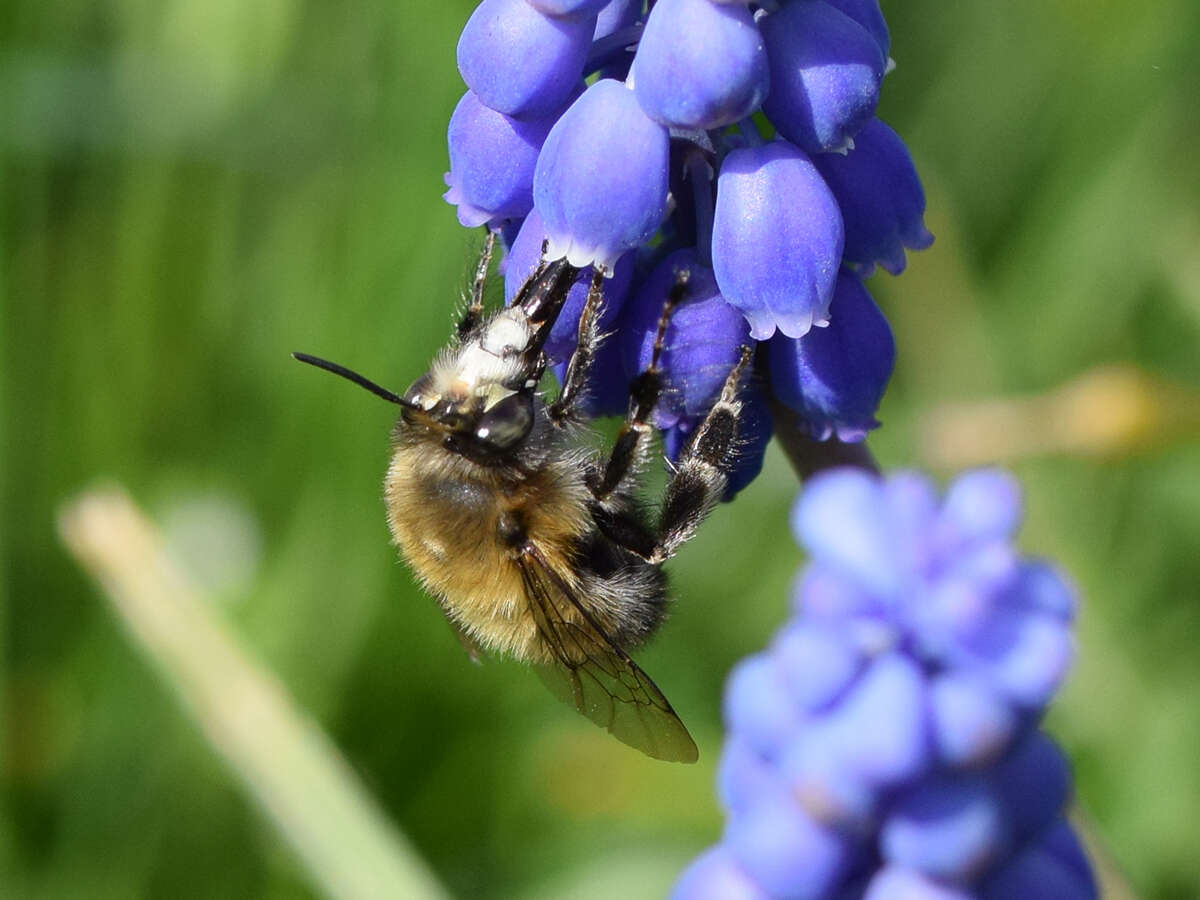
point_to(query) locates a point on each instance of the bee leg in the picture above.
(626, 530)
(700, 473)
(565, 407)
(632, 445)
(474, 312)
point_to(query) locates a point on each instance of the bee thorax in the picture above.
(510, 528)
(496, 354)
(509, 332)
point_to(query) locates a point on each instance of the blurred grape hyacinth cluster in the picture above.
(735, 142)
(886, 744)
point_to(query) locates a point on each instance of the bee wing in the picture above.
(596, 676)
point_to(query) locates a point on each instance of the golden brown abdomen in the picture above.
(444, 512)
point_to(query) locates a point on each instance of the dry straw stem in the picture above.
(1109, 877)
(1109, 411)
(283, 758)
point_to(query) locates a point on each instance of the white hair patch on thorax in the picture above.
(507, 333)
(496, 354)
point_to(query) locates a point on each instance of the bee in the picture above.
(534, 546)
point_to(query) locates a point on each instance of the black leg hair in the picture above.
(565, 408)
(700, 474)
(632, 444)
(474, 312)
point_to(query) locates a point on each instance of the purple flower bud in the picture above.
(491, 162)
(956, 611)
(523, 259)
(837, 518)
(835, 376)
(867, 14)
(981, 505)
(822, 784)
(897, 883)
(601, 180)
(1025, 655)
(744, 777)
(716, 875)
(971, 724)
(1034, 785)
(704, 337)
(881, 198)
(786, 852)
(816, 662)
(520, 61)
(825, 75)
(567, 7)
(777, 239)
(825, 593)
(1037, 874)
(757, 705)
(700, 64)
(1041, 586)
(888, 703)
(950, 828)
(1060, 840)
(913, 508)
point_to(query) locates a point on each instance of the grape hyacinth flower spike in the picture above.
(740, 135)
(886, 744)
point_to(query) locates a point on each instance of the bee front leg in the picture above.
(473, 314)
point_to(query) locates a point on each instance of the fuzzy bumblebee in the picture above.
(534, 546)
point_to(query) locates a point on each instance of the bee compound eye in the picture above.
(506, 423)
(420, 393)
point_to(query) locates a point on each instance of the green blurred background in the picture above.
(193, 188)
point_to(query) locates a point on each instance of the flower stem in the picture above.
(749, 130)
(808, 456)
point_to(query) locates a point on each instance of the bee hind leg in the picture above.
(700, 475)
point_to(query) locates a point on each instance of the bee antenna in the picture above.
(353, 376)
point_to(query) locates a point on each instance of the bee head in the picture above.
(485, 422)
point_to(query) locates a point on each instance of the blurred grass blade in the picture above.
(283, 758)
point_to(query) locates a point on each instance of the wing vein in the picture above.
(592, 673)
